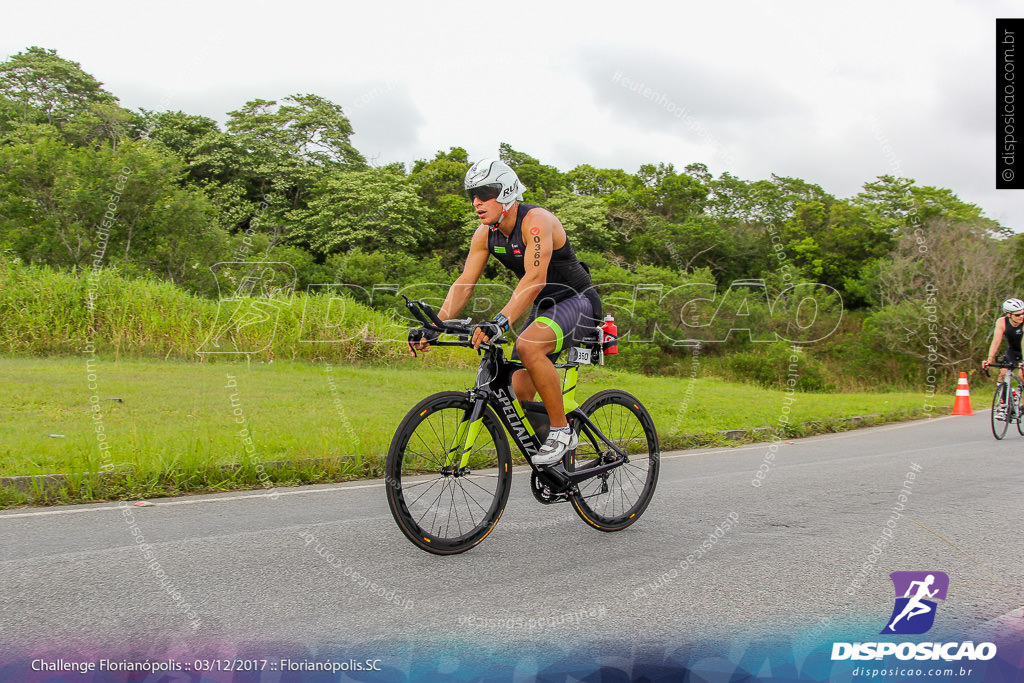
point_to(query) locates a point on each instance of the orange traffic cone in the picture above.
(962, 404)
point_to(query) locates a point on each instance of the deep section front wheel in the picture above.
(999, 424)
(615, 499)
(439, 505)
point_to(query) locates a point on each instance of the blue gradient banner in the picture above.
(773, 659)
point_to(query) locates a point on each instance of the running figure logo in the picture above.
(914, 612)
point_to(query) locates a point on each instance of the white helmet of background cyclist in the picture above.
(496, 172)
(1013, 306)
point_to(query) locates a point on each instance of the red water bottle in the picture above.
(611, 346)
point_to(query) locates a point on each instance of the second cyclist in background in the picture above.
(1010, 327)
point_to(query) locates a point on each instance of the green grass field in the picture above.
(175, 427)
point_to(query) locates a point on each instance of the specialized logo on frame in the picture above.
(916, 595)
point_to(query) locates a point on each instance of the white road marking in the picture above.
(380, 483)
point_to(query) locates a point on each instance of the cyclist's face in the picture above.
(489, 211)
(1016, 317)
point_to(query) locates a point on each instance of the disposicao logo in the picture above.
(914, 611)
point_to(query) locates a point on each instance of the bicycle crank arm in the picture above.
(554, 477)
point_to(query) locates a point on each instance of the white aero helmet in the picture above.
(494, 179)
(1013, 306)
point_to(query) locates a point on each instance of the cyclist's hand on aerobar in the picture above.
(421, 339)
(486, 331)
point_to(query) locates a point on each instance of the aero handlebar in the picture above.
(460, 328)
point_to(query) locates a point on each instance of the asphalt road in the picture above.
(715, 557)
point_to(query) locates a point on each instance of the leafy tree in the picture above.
(123, 206)
(280, 152)
(585, 220)
(439, 183)
(307, 128)
(442, 175)
(699, 242)
(101, 124)
(371, 210)
(9, 117)
(836, 244)
(700, 173)
(47, 88)
(669, 195)
(541, 180)
(215, 163)
(761, 202)
(590, 181)
(888, 198)
(181, 133)
(939, 305)
(901, 203)
(732, 201)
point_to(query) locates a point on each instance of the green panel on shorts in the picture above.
(559, 335)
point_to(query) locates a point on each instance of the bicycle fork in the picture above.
(464, 439)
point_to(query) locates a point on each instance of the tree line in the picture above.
(282, 181)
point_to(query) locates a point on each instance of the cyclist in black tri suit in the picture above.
(553, 285)
(1011, 328)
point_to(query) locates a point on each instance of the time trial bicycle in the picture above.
(1006, 401)
(449, 466)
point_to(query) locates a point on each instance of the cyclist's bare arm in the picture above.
(537, 247)
(462, 289)
(538, 231)
(997, 340)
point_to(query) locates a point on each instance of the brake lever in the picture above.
(412, 346)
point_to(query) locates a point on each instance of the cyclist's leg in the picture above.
(1011, 357)
(521, 382)
(523, 385)
(533, 346)
(554, 329)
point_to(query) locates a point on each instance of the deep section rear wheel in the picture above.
(441, 508)
(999, 424)
(615, 499)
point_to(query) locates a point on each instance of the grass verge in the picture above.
(161, 428)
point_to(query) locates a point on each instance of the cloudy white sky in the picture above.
(836, 94)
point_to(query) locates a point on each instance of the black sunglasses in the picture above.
(485, 192)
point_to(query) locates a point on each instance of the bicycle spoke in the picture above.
(474, 483)
(468, 497)
(425, 492)
(615, 498)
(435, 507)
(447, 510)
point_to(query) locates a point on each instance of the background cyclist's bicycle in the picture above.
(449, 467)
(1006, 401)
